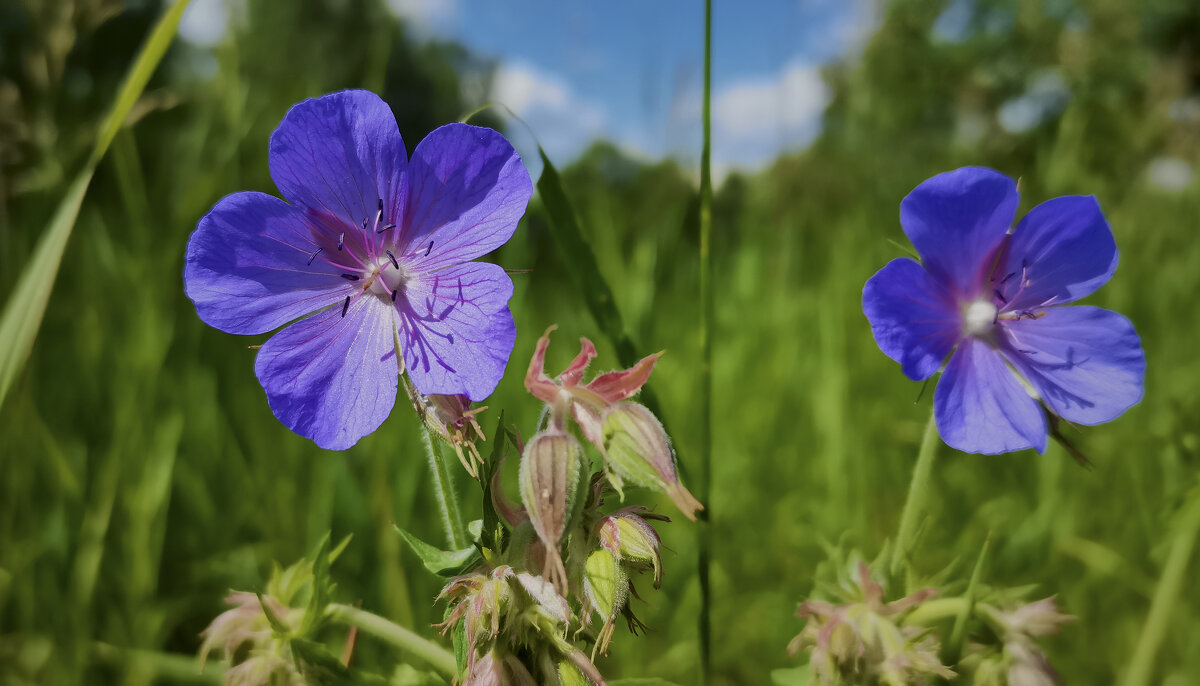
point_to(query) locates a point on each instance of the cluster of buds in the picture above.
(1017, 660)
(514, 626)
(865, 640)
(632, 441)
(252, 650)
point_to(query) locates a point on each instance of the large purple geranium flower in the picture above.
(991, 296)
(374, 243)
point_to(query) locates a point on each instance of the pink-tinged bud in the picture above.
(244, 636)
(606, 587)
(636, 449)
(452, 419)
(495, 669)
(632, 540)
(550, 472)
(479, 601)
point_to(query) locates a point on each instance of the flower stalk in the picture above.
(918, 493)
(427, 651)
(443, 490)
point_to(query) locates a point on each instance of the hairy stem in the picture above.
(443, 488)
(405, 639)
(918, 493)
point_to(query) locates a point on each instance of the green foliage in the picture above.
(144, 473)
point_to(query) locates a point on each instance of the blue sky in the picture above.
(631, 71)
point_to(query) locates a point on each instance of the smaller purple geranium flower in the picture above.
(988, 298)
(379, 247)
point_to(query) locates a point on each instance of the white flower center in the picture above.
(978, 318)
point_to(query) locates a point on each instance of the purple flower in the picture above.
(990, 296)
(373, 243)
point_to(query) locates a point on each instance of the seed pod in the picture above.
(606, 588)
(636, 448)
(549, 477)
(632, 540)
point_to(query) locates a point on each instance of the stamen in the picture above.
(381, 204)
(429, 249)
(394, 262)
(312, 257)
(341, 238)
(345, 306)
(349, 277)
(394, 291)
(389, 226)
(1000, 296)
(364, 223)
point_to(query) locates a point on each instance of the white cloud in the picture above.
(426, 15)
(561, 120)
(756, 119)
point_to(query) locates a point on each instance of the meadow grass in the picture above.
(144, 475)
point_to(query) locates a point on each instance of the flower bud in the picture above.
(479, 602)
(636, 448)
(550, 471)
(493, 669)
(452, 419)
(250, 649)
(631, 540)
(606, 588)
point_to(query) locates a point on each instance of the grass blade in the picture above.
(704, 555)
(27, 304)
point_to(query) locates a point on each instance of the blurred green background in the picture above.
(142, 474)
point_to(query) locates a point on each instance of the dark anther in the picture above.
(1005, 279)
(341, 238)
(349, 277)
(381, 204)
(394, 295)
(429, 249)
(1000, 296)
(394, 262)
(313, 256)
(345, 306)
(389, 226)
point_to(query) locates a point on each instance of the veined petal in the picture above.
(456, 329)
(915, 321)
(336, 156)
(332, 378)
(467, 192)
(1086, 362)
(1061, 251)
(982, 408)
(248, 270)
(956, 220)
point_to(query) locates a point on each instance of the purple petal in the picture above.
(1087, 363)
(456, 330)
(337, 155)
(1061, 251)
(956, 220)
(914, 319)
(468, 190)
(247, 267)
(333, 378)
(982, 408)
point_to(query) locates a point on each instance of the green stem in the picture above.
(918, 493)
(443, 487)
(704, 561)
(1166, 596)
(167, 667)
(425, 650)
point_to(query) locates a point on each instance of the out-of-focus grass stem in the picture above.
(706, 322)
(918, 492)
(1167, 595)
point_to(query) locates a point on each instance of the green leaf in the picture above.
(322, 587)
(953, 648)
(26, 306)
(277, 626)
(642, 682)
(441, 562)
(319, 666)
